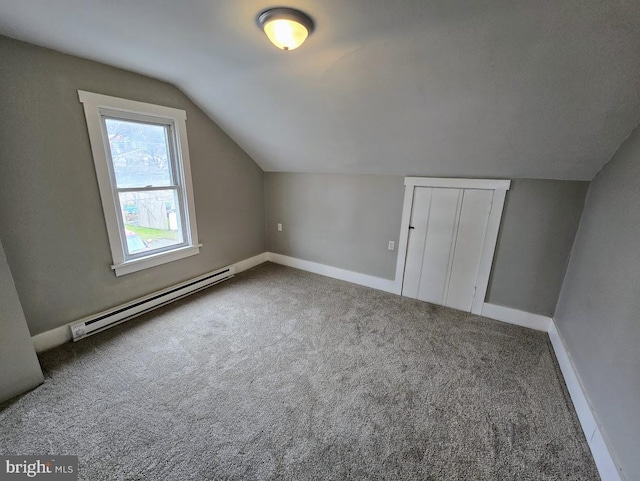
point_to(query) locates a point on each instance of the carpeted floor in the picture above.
(283, 374)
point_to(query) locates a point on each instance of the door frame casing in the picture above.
(499, 188)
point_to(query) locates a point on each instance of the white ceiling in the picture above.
(489, 88)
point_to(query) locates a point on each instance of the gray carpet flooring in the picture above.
(283, 374)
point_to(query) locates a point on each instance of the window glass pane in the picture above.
(151, 220)
(139, 152)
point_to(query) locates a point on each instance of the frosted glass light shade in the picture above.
(286, 34)
(287, 28)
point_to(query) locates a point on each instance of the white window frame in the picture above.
(96, 108)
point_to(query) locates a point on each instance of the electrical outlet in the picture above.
(279, 227)
(392, 245)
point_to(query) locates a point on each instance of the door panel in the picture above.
(476, 206)
(441, 230)
(417, 237)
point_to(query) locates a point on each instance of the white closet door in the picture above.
(476, 206)
(448, 238)
(438, 250)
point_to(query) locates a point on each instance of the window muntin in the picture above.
(141, 158)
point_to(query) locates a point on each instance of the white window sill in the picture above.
(155, 260)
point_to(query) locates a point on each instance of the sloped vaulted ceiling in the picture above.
(493, 88)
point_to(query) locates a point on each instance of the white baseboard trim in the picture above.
(251, 262)
(517, 317)
(366, 280)
(59, 335)
(53, 338)
(599, 449)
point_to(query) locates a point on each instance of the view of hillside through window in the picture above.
(141, 156)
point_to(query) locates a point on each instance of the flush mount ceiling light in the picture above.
(287, 28)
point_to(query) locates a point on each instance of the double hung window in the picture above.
(141, 158)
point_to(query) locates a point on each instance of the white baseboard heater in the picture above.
(106, 319)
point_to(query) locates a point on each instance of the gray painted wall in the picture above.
(19, 366)
(51, 219)
(343, 221)
(598, 313)
(538, 228)
(347, 221)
